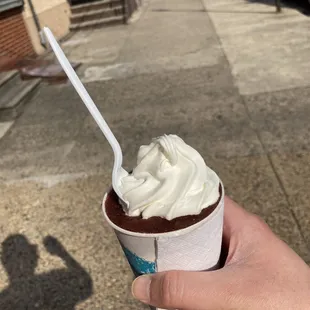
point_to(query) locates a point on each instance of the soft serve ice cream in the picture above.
(170, 180)
(174, 217)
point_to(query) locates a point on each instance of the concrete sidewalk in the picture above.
(223, 81)
(266, 51)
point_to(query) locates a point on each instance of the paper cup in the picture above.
(195, 248)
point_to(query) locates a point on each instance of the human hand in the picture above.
(260, 272)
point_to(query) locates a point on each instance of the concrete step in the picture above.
(6, 76)
(98, 23)
(14, 93)
(96, 14)
(97, 5)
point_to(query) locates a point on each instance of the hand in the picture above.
(53, 246)
(260, 272)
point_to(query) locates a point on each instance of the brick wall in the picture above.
(14, 38)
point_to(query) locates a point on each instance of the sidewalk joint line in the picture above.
(278, 178)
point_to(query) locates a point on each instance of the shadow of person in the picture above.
(60, 289)
(303, 6)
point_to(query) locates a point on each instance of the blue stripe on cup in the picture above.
(139, 265)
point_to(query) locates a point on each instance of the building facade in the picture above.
(54, 14)
(21, 23)
(15, 41)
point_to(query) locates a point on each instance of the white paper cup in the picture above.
(195, 248)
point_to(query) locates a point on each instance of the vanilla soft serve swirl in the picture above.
(170, 180)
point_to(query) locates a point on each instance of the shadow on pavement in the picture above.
(60, 289)
(303, 6)
(178, 10)
(212, 11)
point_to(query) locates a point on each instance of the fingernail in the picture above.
(141, 288)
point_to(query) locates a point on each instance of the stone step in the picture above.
(14, 94)
(97, 5)
(96, 14)
(6, 76)
(102, 22)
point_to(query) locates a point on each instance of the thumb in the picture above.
(184, 289)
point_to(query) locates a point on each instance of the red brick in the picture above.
(14, 38)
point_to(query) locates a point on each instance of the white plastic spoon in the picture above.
(118, 171)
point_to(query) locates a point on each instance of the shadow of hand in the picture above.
(61, 288)
(53, 246)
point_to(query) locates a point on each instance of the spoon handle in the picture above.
(79, 87)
